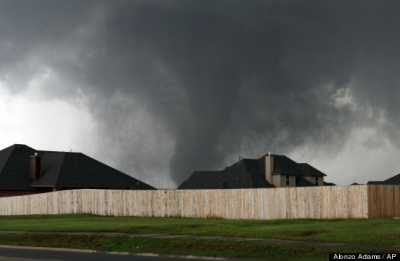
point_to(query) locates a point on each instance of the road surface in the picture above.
(30, 254)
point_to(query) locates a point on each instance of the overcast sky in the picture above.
(159, 89)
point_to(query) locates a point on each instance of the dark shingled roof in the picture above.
(14, 172)
(374, 182)
(395, 180)
(302, 182)
(309, 170)
(285, 166)
(250, 173)
(243, 174)
(60, 170)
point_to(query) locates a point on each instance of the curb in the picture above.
(127, 253)
(50, 248)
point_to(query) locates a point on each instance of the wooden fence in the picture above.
(359, 201)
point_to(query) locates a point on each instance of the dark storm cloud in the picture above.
(216, 74)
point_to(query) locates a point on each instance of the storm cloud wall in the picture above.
(177, 86)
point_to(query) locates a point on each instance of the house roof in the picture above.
(374, 182)
(60, 169)
(395, 180)
(243, 174)
(14, 172)
(286, 166)
(302, 182)
(309, 170)
(250, 173)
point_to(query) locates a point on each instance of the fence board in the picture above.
(396, 201)
(387, 202)
(359, 201)
(371, 208)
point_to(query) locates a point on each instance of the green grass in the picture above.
(180, 246)
(357, 231)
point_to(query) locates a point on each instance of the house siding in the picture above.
(276, 180)
(292, 181)
(320, 181)
(312, 180)
(280, 181)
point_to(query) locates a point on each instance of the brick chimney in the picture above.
(269, 167)
(35, 167)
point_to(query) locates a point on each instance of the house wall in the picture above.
(279, 181)
(276, 180)
(292, 181)
(360, 201)
(309, 178)
(320, 181)
(312, 180)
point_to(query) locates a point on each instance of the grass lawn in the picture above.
(211, 248)
(358, 231)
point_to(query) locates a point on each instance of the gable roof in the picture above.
(60, 169)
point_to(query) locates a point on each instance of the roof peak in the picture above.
(19, 145)
(274, 155)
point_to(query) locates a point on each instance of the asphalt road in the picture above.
(29, 254)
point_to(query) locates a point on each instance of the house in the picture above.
(24, 170)
(269, 171)
(395, 180)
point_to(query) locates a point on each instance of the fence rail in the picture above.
(361, 201)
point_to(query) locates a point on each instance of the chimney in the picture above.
(269, 166)
(35, 167)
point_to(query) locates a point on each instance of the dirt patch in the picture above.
(212, 216)
(308, 233)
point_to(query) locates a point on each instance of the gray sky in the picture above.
(158, 89)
